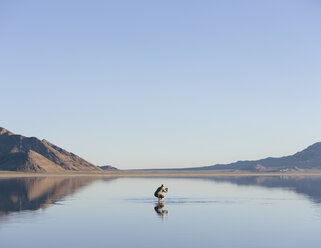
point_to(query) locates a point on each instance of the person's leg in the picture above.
(160, 197)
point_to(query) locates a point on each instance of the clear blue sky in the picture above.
(155, 84)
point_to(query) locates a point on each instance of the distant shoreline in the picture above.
(153, 173)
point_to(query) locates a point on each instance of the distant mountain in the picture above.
(20, 153)
(308, 159)
(108, 167)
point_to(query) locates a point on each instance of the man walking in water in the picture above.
(159, 191)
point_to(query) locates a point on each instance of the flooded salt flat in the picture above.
(247, 211)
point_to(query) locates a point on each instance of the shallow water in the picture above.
(197, 212)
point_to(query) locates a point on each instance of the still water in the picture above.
(197, 212)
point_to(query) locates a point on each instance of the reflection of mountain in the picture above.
(33, 193)
(306, 185)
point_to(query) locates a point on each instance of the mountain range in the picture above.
(20, 153)
(307, 159)
(30, 154)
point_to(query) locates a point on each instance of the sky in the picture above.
(163, 84)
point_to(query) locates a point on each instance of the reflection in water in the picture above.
(160, 211)
(211, 213)
(34, 193)
(307, 185)
(18, 194)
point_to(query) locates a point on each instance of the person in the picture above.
(159, 191)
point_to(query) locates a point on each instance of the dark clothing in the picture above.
(160, 190)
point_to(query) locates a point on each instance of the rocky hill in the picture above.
(109, 168)
(20, 153)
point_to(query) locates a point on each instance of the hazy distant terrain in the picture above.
(308, 159)
(108, 167)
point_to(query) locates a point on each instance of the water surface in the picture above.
(197, 212)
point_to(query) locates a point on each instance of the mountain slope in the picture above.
(309, 158)
(20, 153)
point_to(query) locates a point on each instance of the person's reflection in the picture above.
(160, 211)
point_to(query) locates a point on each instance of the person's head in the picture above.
(163, 185)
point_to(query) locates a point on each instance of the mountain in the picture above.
(108, 167)
(308, 159)
(20, 153)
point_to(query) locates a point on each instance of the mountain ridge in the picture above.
(308, 158)
(30, 154)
